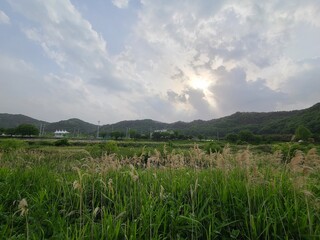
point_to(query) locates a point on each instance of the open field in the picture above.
(172, 191)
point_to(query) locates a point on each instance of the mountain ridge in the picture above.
(277, 122)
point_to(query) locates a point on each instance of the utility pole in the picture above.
(42, 129)
(98, 129)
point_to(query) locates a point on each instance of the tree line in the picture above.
(245, 136)
(21, 130)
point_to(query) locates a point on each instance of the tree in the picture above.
(103, 134)
(246, 136)
(10, 131)
(232, 137)
(156, 135)
(116, 135)
(200, 137)
(27, 130)
(133, 133)
(302, 133)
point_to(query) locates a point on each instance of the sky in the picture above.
(182, 60)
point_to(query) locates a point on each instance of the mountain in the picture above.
(142, 126)
(282, 122)
(14, 120)
(72, 125)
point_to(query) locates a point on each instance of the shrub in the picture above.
(97, 150)
(213, 147)
(62, 142)
(288, 150)
(109, 147)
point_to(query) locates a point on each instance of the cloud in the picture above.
(4, 19)
(72, 43)
(303, 88)
(234, 92)
(65, 36)
(181, 60)
(120, 3)
(56, 96)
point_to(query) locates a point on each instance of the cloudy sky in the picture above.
(113, 60)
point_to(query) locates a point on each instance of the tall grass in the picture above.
(166, 195)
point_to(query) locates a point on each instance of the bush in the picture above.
(288, 150)
(97, 150)
(213, 147)
(9, 145)
(62, 142)
(109, 147)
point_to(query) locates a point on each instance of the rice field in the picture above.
(66, 193)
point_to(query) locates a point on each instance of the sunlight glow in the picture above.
(200, 83)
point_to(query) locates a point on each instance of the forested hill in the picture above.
(72, 125)
(284, 122)
(14, 120)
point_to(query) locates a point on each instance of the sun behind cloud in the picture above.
(200, 83)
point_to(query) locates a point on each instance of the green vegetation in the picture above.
(10, 145)
(302, 133)
(159, 191)
(270, 126)
(27, 130)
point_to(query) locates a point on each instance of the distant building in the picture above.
(60, 133)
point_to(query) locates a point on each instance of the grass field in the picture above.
(158, 192)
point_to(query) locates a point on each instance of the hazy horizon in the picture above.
(168, 61)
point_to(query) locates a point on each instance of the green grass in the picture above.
(72, 196)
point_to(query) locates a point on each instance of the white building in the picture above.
(60, 133)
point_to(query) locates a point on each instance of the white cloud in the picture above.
(4, 19)
(120, 3)
(64, 34)
(240, 49)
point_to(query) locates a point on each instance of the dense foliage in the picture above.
(66, 193)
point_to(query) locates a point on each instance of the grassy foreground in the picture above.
(166, 195)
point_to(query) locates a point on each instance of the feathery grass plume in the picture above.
(225, 159)
(110, 187)
(243, 158)
(95, 212)
(196, 156)
(76, 185)
(148, 165)
(296, 163)
(133, 173)
(23, 207)
(162, 196)
(155, 159)
(312, 159)
(276, 158)
(178, 161)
